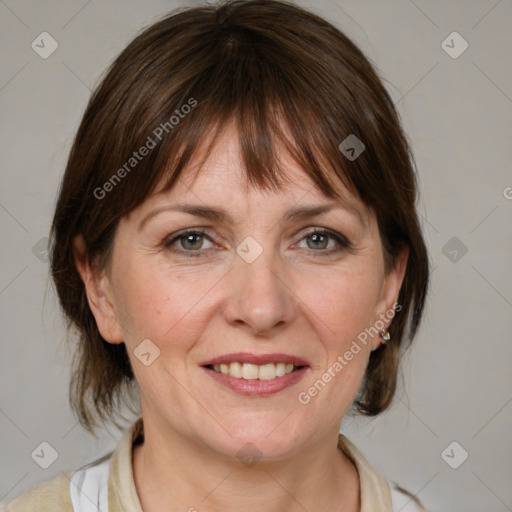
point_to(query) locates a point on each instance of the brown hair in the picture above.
(285, 76)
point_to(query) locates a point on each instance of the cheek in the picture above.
(344, 303)
(341, 307)
(161, 304)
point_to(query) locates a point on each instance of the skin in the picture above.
(294, 298)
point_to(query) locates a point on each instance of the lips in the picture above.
(256, 374)
(259, 359)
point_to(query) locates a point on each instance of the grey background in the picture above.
(457, 112)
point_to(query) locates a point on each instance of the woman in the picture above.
(259, 134)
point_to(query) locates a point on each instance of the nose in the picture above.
(259, 298)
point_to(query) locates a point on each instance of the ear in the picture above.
(391, 285)
(99, 297)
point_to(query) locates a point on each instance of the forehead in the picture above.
(221, 180)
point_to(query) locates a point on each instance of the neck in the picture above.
(174, 473)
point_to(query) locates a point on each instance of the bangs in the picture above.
(265, 136)
(275, 107)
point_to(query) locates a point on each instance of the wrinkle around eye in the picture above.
(160, 235)
(172, 243)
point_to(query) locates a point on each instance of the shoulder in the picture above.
(89, 484)
(49, 496)
(378, 493)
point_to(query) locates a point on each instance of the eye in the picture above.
(319, 240)
(190, 241)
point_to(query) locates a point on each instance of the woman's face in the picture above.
(258, 286)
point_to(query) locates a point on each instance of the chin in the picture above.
(257, 437)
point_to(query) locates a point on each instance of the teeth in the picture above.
(235, 370)
(280, 369)
(250, 371)
(267, 372)
(254, 371)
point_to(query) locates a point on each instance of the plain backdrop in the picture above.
(447, 437)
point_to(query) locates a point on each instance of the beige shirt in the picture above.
(86, 489)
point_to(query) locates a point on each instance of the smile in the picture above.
(249, 371)
(256, 374)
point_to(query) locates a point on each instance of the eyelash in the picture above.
(169, 241)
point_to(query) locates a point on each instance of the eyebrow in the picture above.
(220, 215)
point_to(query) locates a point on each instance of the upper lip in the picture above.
(246, 357)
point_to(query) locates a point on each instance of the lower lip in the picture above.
(256, 387)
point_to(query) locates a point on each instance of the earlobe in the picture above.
(394, 279)
(388, 302)
(96, 288)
